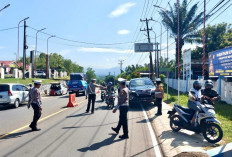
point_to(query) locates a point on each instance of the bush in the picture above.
(162, 77)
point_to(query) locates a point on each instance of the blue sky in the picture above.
(92, 21)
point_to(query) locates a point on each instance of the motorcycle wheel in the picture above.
(173, 120)
(213, 133)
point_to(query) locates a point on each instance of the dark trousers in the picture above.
(123, 119)
(158, 102)
(37, 115)
(91, 98)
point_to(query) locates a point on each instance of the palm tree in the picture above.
(189, 22)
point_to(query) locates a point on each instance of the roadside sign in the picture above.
(220, 63)
(143, 47)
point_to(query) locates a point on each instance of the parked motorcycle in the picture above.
(110, 100)
(207, 124)
(103, 95)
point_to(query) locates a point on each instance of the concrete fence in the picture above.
(185, 86)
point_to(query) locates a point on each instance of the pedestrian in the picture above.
(123, 106)
(159, 95)
(35, 102)
(91, 94)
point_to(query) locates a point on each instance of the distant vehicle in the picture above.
(58, 89)
(77, 83)
(13, 94)
(127, 84)
(141, 90)
(40, 74)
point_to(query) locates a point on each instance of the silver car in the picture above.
(13, 94)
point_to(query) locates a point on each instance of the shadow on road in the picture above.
(77, 115)
(9, 107)
(102, 108)
(91, 126)
(101, 144)
(15, 135)
(182, 138)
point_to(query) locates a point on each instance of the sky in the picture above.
(92, 28)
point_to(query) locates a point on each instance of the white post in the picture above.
(30, 70)
(2, 73)
(16, 75)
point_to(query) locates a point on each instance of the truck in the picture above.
(77, 84)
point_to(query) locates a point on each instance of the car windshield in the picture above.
(55, 86)
(4, 88)
(140, 82)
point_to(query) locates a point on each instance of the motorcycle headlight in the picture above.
(211, 112)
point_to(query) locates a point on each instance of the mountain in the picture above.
(115, 70)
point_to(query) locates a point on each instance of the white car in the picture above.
(40, 74)
(13, 94)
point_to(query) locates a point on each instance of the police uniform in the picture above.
(35, 102)
(91, 92)
(123, 106)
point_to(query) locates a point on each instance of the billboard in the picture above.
(143, 47)
(220, 62)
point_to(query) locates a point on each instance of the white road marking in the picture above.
(153, 137)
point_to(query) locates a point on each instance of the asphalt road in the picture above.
(70, 132)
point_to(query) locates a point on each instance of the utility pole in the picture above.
(149, 41)
(24, 49)
(121, 63)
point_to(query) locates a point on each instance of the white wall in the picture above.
(226, 88)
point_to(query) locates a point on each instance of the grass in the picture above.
(27, 80)
(222, 109)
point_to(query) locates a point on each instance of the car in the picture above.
(13, 94)
(141, 90)
(77, 83)
(127, 84)
(40, 74)
(57, 88)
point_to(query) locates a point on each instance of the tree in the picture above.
(188, 22)
(110, 78)
(217, 37)
(90, 74)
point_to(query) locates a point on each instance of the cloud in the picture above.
(2, 47)
(122, 9)
(123, 32)
(101, 50)
(65, 52)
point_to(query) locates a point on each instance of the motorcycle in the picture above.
(110, 100)
(206, 122)
(103, 95)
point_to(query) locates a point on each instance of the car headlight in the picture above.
(133, 91)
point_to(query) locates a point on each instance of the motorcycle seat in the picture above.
(186, 110)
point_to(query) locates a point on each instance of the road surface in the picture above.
(70, 132)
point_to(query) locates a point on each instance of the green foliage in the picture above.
(162, 77)
(217, 37)
(163, 65)
(132, 71)
(57, 62)
(90, 74)
(189, 22)
(110, 78)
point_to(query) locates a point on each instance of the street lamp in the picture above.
(18, 36)
(47, 63)
(36, 46)
(160, 41)
(156, 47)
(5, 7)
(167, 44)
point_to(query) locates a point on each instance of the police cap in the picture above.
(37, 82)
(121, 80)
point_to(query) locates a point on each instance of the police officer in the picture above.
(35, 102)
(209, 94)
(91, 95)
(123, 106)
(159, 95)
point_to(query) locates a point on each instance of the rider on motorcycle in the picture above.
(110, 88)
(209, 94)
(194, 97)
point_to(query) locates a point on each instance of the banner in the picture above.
(220, 62)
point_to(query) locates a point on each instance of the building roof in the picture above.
(8, 63)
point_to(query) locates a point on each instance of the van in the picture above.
(13, 94)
